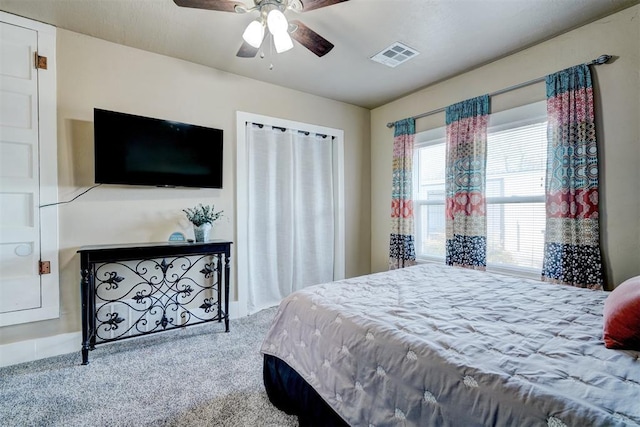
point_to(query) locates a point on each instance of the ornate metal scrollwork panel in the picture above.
(140, 297)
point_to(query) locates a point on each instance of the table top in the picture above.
(147, 245)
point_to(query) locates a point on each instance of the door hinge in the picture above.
(40, 61)
(45, 267)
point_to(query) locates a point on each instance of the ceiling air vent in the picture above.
(395, 55)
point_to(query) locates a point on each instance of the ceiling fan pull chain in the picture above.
(270, 51)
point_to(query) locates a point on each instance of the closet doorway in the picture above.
(290, 208)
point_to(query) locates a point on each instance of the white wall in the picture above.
(618, 101)
(95, 73)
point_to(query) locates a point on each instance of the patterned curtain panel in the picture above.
(466, 221)
(572, 242)
(402, 251)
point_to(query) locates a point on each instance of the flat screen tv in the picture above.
(137, 150)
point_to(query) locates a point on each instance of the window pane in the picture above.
(430, 241)
(517, 158)
(516, 162)
(515, 234)
(430, 164)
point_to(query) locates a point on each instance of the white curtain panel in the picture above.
(291, 213)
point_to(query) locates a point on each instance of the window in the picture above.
(516, 164)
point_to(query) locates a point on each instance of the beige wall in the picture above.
(618, 98)
(94, 73)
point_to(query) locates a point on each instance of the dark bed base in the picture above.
(289, 392)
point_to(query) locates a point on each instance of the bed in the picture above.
(433, 345)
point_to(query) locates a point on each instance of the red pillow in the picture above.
(622, 316)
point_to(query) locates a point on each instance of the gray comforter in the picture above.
(433, 345)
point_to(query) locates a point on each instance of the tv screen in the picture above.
(139, 150)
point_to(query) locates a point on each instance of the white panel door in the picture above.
(20, 286)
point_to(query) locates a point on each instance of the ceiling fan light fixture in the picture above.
(272, 19)
(254, 34)
(282, 42)
(277, 22)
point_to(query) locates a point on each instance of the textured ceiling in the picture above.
(452, 36)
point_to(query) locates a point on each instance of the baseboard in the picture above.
(39, 348)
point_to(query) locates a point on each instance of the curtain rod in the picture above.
(602, 59)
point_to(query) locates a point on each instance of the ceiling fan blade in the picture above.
(308, 5)
(311, 40)
(247, 51)
(220, 5)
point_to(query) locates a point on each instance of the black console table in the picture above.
(139, 289)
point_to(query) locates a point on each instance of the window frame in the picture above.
(521, 116)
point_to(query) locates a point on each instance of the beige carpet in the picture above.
(196, 376)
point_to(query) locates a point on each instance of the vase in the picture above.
(201, 232)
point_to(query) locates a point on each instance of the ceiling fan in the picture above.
(271, 18)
